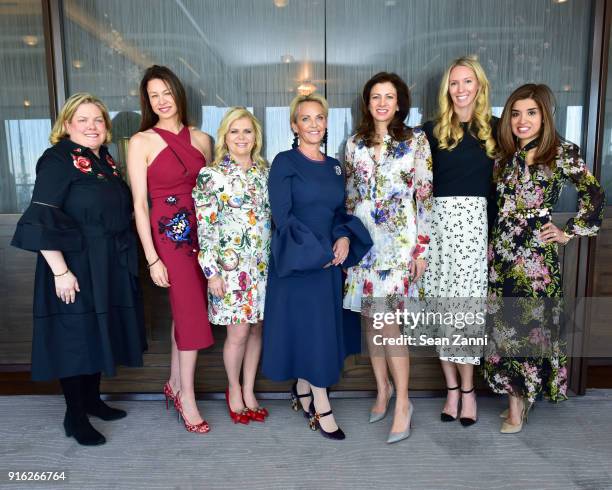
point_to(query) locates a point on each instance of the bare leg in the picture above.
(233, 355)
(451, 407)
(468, 400)
(322, 405)
(187, 361)
(250, 364)
(400, 370)
(515, 409)
(175, 374)
(379, 366)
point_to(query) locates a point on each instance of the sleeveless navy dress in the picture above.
(303, 335)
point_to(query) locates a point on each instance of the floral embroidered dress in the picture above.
(393, 199)
(233, 213)
(82, 207)
(170, 180)
(526, 356)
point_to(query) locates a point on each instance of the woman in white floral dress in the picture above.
(233, 213)
(389, 188)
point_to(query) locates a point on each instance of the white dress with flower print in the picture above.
(393, 199)
(233, 213)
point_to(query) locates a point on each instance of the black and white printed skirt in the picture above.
(457, 268)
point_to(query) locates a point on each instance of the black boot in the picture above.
(94, 405)
(76, 422)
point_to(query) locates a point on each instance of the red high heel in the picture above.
(257, 414)
(169, 394)
(201, 428)
(241, 417)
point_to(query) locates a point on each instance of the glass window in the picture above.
(226, 52)
(24, 102)
(516, 42)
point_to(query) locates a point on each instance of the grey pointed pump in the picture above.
(400, 436)
(377, 417)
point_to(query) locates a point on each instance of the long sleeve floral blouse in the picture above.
(521, 188)
(392, 197)
(233, 213)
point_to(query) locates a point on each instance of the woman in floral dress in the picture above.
(534, 165)
(233, 213)
(389, 188)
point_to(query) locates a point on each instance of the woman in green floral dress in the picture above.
(527, 356)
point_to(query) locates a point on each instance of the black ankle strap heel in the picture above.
(444, 417)
(466, 421)
(314, 424)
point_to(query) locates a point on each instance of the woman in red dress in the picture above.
(164, 159)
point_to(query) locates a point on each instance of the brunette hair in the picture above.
(149, 118)
(67, 111)
(448, 130)
(546, 151)
(397, 129)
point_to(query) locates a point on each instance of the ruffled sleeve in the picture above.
(423, 194)
(351, 227)
(208, 209)
(591, 199)
(295, 248)
(44, 225)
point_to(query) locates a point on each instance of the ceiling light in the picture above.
(287, 58)
(280, 3)
(559, 1)
(26, 103)
(567, 88)
(306, 88)
(77, 64)
(134, 92)
(30, 40)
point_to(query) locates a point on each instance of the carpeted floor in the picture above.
(564, 446)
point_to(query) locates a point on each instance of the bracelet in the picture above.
(153, 263)
(62, 274)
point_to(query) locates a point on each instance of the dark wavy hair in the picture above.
(165, 74)
(397, 129)
(546, 151)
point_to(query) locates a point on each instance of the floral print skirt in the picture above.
(457, 265)
(240, 306)
(364, 287)
(526, 357)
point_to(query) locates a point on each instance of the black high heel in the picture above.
(295, 400)
(466, 421)
(314, 423)
(444, 417)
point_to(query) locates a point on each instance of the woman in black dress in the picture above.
(87, 303)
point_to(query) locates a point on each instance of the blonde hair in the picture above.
(299, 99)
(221, 149)
(448, 129)
(66, 114)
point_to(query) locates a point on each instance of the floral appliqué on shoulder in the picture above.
(82, 163)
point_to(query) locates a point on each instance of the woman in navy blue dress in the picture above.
(313, 239)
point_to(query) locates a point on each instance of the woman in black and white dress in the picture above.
(462, 146)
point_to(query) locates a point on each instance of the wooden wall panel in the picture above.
(17, 267)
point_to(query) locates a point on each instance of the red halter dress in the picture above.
(170, 180)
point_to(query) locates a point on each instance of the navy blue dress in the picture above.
(82, 207)
(303, 331)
